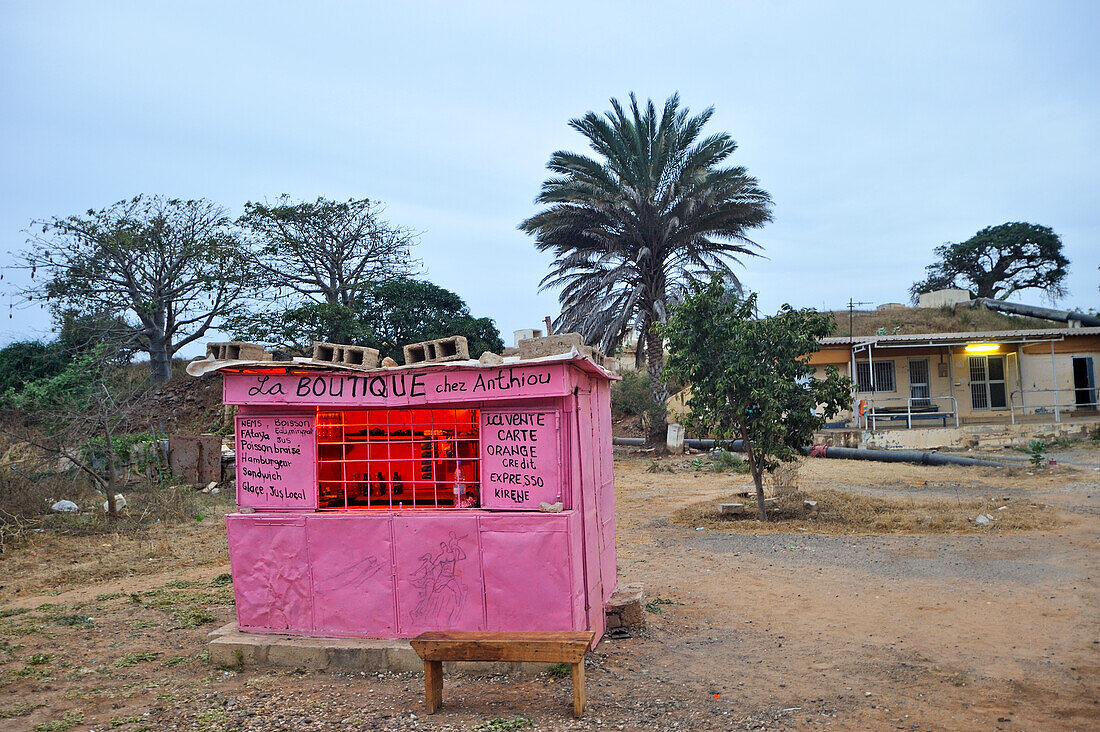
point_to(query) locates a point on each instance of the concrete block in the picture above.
(237, 351)
(440, 350)
(355, 658)
(550, 345)
(943, 298)
(627, 607)
(674, 438)
(731, 509)
(294, 654)
(196, 459)
(525, 334)
(344, 355)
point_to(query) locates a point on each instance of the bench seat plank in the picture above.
(551, 647)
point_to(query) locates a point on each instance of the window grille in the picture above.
(398, 458)
(884, 376)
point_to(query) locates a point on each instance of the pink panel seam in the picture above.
(393, 576)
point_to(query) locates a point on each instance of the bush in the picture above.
(724, 461)
(634, 397)
(1037, 449)
(784, 477)
(28, 361)
(26, 497)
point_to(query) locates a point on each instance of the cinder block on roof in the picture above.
(453, 348)
(555, 344)
(237, 351)
(345, 355)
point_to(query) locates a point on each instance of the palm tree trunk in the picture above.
(655, 365)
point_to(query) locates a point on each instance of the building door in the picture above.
(1084, 382)
(987, 383)
(920, 390)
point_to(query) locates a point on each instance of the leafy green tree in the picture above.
(998, 261)
(403, 310)
(386, 315)
(326, 253)
(161, 269)
(750, 378)
(79, 331)
(27, 361)
(295, 328)
(633, 226)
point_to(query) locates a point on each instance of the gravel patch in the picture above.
(1026, 560)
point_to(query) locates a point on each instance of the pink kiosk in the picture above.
(455, 496)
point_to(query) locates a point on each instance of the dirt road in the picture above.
(777, 631)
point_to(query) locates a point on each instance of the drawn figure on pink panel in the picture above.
(354, 575)
(439, 592)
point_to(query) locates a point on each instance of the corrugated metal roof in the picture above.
(989, 335)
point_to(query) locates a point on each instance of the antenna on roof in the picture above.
(851, 311)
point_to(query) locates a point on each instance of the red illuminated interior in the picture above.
(398, 458)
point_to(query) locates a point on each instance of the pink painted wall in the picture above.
(605, 486)
(438, 561)
(520, 458)
(276, 461)
(397, 388)
(530, 581)
(352, 581)
(396, 573)
(270, 565)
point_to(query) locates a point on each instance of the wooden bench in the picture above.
(550, 647)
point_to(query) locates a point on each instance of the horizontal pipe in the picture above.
(735, 446)
(1035, 311)
(844, 453)
(901, 456)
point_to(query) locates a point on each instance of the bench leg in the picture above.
(433, 685)
(578, 689)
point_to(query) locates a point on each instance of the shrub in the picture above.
(724, 461)
(1037, 449)
(632, 395)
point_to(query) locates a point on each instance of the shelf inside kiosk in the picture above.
(398, 458)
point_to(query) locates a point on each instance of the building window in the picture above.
(398, 458)
(884, 376)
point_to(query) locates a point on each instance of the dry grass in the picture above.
(56, 560)
(932, 320)
(846, 513)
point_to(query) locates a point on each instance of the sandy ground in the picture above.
(779, 631)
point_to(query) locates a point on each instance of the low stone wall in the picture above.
(959, 438)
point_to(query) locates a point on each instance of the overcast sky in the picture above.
(881, 129)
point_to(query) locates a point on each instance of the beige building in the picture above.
(949, 379)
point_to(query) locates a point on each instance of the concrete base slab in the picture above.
(231, 648)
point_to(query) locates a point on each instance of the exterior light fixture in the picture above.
(982, 347)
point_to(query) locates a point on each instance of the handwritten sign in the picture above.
(276, 462)
(520, 458)
(397, 388)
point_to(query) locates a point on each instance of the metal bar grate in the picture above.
(398, 458)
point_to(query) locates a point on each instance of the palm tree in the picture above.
(632, 228)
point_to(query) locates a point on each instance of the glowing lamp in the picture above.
(982, 347)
